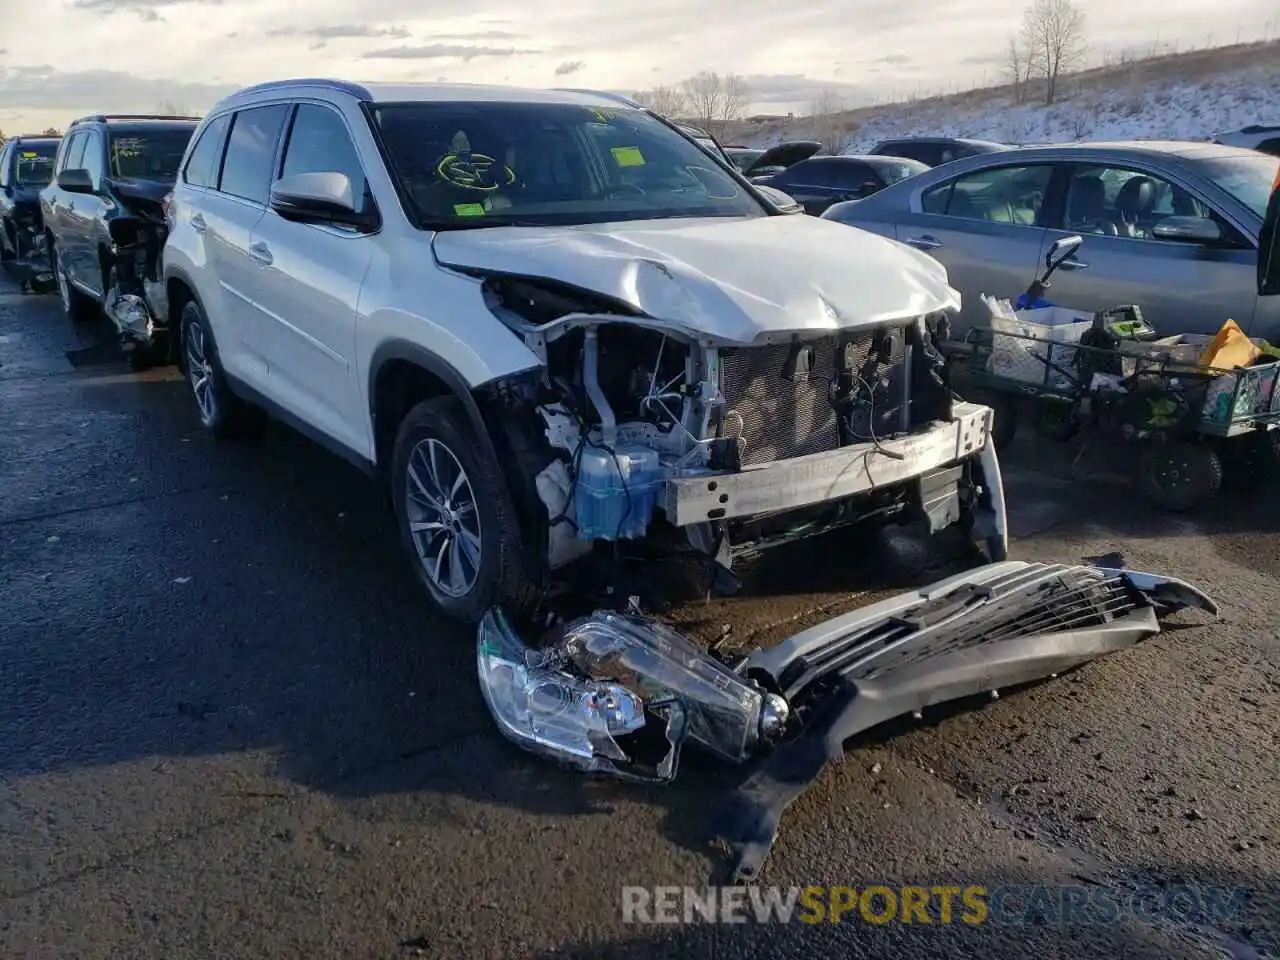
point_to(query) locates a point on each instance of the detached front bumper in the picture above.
(823, 477)
(620, 694)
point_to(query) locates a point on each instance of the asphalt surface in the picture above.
(229, 726)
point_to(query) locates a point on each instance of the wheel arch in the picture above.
(402, 374)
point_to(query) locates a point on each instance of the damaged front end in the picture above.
(30, 248)
(136, 302)
(619, 693)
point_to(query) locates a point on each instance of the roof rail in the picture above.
(608, 95)
(359, 91)
(104, 117)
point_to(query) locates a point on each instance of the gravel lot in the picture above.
(232, 729)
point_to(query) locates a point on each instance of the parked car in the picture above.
(761, 162)
(819, 182)
(26, 167)
(1170, 226)
(935, 151)
(545, 324)
(1259, 136)
(104, 220)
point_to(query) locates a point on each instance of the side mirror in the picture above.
(75, 181)
(1187, 229)
(1061, 250)
(781, 202)
(1269, 247)
(319, 198)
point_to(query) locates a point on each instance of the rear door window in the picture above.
(206, 157)
(251, 150)
(1012, 195)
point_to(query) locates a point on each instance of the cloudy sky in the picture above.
(63, 58)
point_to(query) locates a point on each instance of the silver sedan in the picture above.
(1170, 226)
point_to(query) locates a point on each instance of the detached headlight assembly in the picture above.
(620, 694)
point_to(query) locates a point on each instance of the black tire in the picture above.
(441, 425)
(224, 415)
(77, 307)
(8, 238)
(1251, 462)
(1179, 475)
(1055, 420)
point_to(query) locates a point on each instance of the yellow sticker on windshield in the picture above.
(628, 156)
(29, 154)
(469, 209)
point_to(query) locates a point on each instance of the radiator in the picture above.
(779, 402)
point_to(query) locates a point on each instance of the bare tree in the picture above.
(1054, 31)
(715, 100)
(1019, 65)
(52, 132)
(169, 108)
(826, 128)
(669, 102)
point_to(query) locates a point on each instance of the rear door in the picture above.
(307, 287)
(1182, 286)
(85, 214)
(57, 208)
(228, 219)
(986, 228)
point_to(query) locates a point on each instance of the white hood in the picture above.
(730, 279)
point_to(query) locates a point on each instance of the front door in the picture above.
(1181, 286)
(308, 285)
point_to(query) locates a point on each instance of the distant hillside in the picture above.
(1181, 96)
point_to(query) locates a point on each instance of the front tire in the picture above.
(77, 307)
(1178, 475)
(222, 413)
(455, 515)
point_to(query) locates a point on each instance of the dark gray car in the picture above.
(1170, 226)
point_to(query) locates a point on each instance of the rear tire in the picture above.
(444, 519)
(1178, 475)
(1055, 420)
(222, 413)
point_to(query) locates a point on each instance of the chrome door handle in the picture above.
(925, 243)
(198, 224)
(1070, 265)
(261, 252)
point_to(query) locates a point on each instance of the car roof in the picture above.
(428, 93)
(1190, 150)
(34, 138)
(967, 141)
(136, 123)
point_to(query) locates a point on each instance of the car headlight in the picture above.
(620, 694)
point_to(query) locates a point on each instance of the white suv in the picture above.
(548, 319)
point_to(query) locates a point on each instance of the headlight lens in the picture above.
(548, 711)
(620, 694)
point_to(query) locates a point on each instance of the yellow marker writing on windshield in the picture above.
(628, 156)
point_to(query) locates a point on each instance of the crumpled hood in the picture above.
(734, 280)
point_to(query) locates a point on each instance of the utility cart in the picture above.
(1177, 424)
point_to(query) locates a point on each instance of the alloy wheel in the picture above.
(200, 373)
(444, 523)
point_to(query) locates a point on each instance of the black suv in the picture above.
(104, 219)
(26, 166)
(935, 151)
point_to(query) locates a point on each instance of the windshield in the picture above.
(893, 172)
(743, 159)
(149, 154)
(1248, 179)
(480, 164)
(35, 164)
